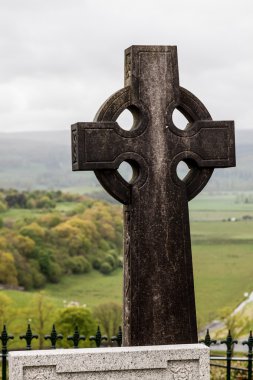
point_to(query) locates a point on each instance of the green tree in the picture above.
(16, 200)
(45, 202)
(5, 309)
(109, 317)
(24, 244)
(24, 274)
(73, 316)
(33, 231)
(8, 272)
(50, 220)
(38, 314)
(38, 279)
(49, 267)
(3, 243)
(66, 235)
(3, 206)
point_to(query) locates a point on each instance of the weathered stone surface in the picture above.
(188, 362)
(159, 305)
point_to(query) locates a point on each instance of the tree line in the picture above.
(61, 234)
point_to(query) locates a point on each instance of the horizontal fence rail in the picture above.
(234, 367)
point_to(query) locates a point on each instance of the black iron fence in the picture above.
(231, 367)
(227, 366)
(53, 338)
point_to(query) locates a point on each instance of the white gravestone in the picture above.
(174, 362)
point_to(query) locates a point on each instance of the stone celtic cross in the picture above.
(159, 305)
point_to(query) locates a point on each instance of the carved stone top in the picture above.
(151, 93)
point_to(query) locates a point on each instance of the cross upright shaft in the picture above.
(159, 291)
(159, 305)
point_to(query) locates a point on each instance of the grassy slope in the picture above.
(90, 289)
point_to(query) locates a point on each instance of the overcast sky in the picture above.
(60, 59)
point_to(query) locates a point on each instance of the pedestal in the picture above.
(174, 362)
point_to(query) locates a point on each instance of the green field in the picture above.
(222, 253)
(90, 290)
(222, 256)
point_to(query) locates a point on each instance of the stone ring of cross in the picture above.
(152, 98)
(190, 106)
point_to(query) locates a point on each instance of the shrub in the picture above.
(110, 260)
(96, 263)
(79, 264)
(3, 206)
(105, 268)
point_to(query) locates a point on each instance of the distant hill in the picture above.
(42, 160)
(39, 160)
(239, 178)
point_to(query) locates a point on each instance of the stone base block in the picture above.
(177, 362)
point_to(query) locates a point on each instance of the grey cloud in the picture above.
(61, 59)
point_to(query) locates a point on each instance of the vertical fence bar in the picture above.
(229, 342)
(207, 340)
(4, 364)
(4, 337)
(118, 337)
(53, 337)
(28, 337)
(229, 354)
(76, 337)
(250, 365)
(249, 343)
(98, 338)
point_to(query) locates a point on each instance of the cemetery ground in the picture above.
(222, 244)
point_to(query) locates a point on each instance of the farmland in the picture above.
(222, 245)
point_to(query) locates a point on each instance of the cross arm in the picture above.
(98, 145)
(213, 142)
